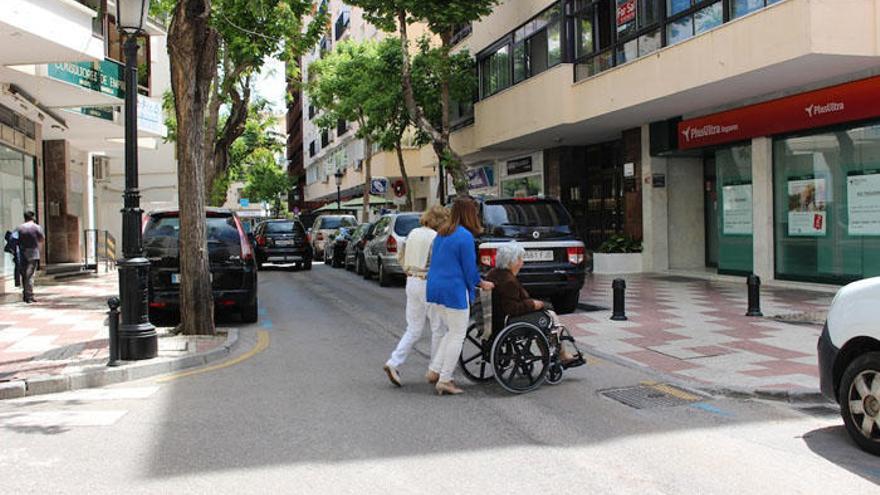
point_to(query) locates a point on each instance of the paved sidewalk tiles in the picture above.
(695, 330)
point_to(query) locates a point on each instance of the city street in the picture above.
(303, 406)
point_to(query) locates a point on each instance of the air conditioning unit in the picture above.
(101, 169)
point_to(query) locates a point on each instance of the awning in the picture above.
(359, 202)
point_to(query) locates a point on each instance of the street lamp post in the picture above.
(137, 336)
(338, 176)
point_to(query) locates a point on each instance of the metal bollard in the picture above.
(754, 285)
(113, 317)
(619, 287)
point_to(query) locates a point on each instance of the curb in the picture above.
(50, 384)
(734, 392)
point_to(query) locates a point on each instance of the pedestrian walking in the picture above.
(11, 247)
(30, 238)
(415, 258)
(452, 279)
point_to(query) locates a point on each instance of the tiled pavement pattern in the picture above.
(696, 330)
(65, 331)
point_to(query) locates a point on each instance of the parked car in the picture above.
(283, 241)
(232, 263)
(324, 226)
(354, 251)
(380, 250)
(849, 360)
(555, 261)
(335, 247)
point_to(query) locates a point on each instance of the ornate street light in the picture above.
(137, 336)
(338, 176)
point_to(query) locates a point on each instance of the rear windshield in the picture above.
(525, 214)
(281, 228)
(163, 232)
(405, 224)
(336, 222)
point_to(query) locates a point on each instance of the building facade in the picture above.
(731, 135)
(61, 143)
(326, 151)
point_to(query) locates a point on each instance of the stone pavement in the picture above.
(695, 331)
(61, 342)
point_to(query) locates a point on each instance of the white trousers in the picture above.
(419, 314)
(455, 323)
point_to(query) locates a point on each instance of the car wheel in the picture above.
(566, 302)
(366, 270)
(384, 279)
(859, 397)
(249, 313)
(307, 265)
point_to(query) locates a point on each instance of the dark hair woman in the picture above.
(452, 278)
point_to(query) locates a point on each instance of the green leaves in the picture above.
(266, 181)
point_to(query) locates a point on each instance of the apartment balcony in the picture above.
(44, 31)
(791, 46)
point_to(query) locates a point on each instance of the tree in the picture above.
(442, 18)
(265, 179)
(236, 36)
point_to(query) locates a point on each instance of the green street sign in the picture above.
(104, 77)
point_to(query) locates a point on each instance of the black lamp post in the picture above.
(338, 176)
(137, 336)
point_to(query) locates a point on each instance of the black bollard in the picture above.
(754, 284)
(619, 287)
(113, 317)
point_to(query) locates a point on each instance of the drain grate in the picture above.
(652, 395)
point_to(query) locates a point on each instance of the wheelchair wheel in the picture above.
(520, 358)
(473, 360)
(554, 374)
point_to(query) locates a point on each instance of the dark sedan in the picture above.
(283, 241)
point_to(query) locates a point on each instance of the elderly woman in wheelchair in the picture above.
(525, 344)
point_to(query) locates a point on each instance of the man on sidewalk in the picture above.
(30, 238)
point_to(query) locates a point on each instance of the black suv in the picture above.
(233, 268)
(284, 241)
(555, 260)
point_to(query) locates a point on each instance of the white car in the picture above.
(849, 360)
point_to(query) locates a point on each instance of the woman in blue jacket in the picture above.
(452, 278)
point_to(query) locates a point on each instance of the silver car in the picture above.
(324, 226)
(380, 250)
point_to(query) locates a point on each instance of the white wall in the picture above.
(687, 228)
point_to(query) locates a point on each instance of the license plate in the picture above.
(175, 278)
(535, 255)
(284, 243)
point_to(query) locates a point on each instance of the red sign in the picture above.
(829, 106)
(626, 13)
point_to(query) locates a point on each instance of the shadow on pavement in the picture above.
(834, 444)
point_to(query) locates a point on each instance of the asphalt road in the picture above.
(314, 413)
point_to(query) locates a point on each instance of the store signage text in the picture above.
(829, 106)
(626, 14)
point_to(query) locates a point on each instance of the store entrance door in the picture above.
(710, 206)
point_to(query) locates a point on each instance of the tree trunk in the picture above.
(450, 161)
(192, 48)
(403, 174)
(368, 177)
(233, 128)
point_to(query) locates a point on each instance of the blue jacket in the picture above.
(453, 274)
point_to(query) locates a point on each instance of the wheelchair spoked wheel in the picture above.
(520, 358)
(473, 361)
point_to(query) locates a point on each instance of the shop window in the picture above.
(826, 203)
(734, 188)
(17, 194)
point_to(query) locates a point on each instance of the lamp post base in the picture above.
(137, 336)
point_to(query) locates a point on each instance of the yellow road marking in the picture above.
(262, 345)
(676, 392)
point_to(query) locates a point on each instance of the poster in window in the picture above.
(626, 15)
(807, 198)
(736, 211)
(522, 187)
(863, 203)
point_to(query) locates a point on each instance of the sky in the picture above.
(270, 84)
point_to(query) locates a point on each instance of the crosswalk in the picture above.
(77, 408)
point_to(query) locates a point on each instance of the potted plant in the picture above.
(619, 254)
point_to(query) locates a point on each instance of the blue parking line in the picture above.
(711, 409)
(263, 311)
(266, 324)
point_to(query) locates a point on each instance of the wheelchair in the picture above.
(521, 355)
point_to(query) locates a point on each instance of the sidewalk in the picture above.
(695, 331)
(61, 342)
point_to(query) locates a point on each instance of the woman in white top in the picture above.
(415, 258)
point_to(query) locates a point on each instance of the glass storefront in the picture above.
(734, 187)
(827, 204)
(17, 194)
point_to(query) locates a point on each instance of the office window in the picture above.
(708, 18)
(677, 6)
(649, 12)
(495, 71)
(584, 34)
(739, 8)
